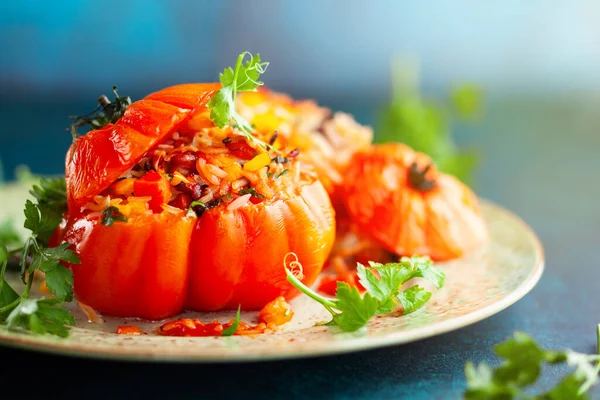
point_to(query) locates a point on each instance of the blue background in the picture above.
(538, 60)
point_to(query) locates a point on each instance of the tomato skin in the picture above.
(156, 186)
(154, 266)
(134, 268)
(237, 257)
(443, 223)
(95, 160)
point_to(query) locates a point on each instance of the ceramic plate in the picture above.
(477, 286)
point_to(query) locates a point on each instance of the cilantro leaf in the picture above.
(60, 282)
(481, 384)
(356, 311)
(51, 192)
(40, 220)
(567, 389)
(7, 294)
(523, 362)
(243, 78)
(222, 105)
(236, 322)
(351, 311)
(41, 316)
(413, 298)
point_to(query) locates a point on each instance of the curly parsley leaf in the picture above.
(351, 310)
(244, 77)
(523, 362)
(236, 322)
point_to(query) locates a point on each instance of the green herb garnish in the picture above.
(40, 315)
(279, 175)
(351, 310)
(243, 78)
(111, 215)
(253, 192)
(236, 322)
(106, 113)
(191, 209)
(523, 363)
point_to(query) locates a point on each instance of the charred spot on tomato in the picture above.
(418, 179)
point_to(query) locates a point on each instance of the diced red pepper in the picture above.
(156, 186)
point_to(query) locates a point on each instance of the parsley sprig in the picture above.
(43, 315)
(351, 310)
(523, 363)
(243, 78)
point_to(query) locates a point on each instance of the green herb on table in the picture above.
(426, 125)
(351, 310)
(243, 78)
(40, 315)
(523, 362)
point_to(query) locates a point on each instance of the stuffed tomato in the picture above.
(325, 140)
(398, 198)
(169, 212)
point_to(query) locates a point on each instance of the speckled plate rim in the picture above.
(348, 345)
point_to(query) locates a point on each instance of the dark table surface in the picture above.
(540, 161)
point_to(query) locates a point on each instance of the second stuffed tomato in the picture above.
(168, 212)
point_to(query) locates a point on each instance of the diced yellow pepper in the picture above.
(123, 187)
(234, 171)
(253, 98)
(267, 121)
(258, 162)
(178, 178)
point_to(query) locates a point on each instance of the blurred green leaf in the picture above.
(425, 125)
(467, 101)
